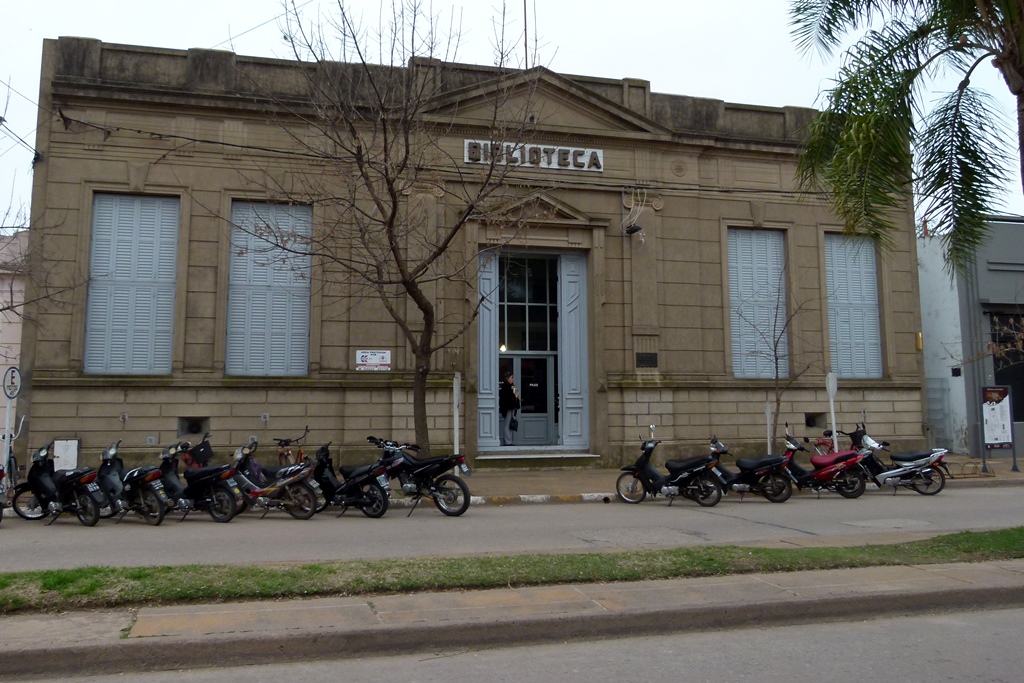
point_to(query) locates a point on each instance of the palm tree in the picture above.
(883, 135)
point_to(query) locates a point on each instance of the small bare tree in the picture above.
(773, 332)
(387, 157)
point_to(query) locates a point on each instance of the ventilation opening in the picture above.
(191, 427)
(816, 420)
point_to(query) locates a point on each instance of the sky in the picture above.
(733, 50)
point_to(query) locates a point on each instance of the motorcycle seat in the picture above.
(758, 463)
(281, 472)
(910, 456)
(193, 474)
(689, 463)
(423, 462)
(358, 470)
(63, 475)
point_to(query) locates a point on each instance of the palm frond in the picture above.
(823, 24)
(858, 150)
(962, 167)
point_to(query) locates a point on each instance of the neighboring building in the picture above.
(606, 329)
(962, 321)
(943, 348)
(13, 245)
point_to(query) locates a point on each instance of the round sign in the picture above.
(12, 382)
(831, 385)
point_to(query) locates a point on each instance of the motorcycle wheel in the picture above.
(223, 506)
(451, 495)
(852, 484)
(300, 500)
(708, 491)
(152, 508)
(630, 489)
(26, 505)
(378, 504)
(776, 487)
(86, 509)
(928, 481)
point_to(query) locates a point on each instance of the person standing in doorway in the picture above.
(508, 405)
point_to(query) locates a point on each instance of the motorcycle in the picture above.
(430, 477)
(138, 490)
(364, 487)
(213, 489)
(690, 478)
(839, 472)
(765, 476)
(266, 487)
(52, 492)
(921, 470)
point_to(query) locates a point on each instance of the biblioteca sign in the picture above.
(535, 156)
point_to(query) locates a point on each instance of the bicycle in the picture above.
(9, 469)
(285, 456)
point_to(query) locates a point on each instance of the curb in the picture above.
(611, 497)
(170, 652)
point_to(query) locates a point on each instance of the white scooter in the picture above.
(921, 471)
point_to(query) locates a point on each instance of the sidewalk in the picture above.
(231, 634)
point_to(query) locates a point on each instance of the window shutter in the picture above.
(268, 290)
(854, 329)
(757, 298)
(133, 267)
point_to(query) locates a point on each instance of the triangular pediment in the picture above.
(540, 209)
(556, 104)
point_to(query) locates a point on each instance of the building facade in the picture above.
(663, 271)
(973, 335)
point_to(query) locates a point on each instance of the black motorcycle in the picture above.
(765, 476)
(264, 487)
(212, 489)
(52, 492)
(691, 478)
(364, 487)
(138, 490)
(429, 477)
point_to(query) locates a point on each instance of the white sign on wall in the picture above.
(373, 360)
(531, 155)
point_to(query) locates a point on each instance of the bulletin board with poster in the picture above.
(997, 418)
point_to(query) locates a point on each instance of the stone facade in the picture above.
(192, 124)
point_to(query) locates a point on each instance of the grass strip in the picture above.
(106, 587)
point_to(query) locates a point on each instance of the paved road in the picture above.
(493, 529)
(962, 646)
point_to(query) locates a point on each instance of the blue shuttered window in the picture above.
(855, 337)
(132, 270)
(757, 303)
(268, 290)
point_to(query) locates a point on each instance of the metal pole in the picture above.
(456, 401)
(7, 447)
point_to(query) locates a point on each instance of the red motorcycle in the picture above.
(839, 472)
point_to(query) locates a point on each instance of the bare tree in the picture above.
(773, 332)
(394, 181)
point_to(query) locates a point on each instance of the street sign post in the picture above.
(832, 386)
(12, 387)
